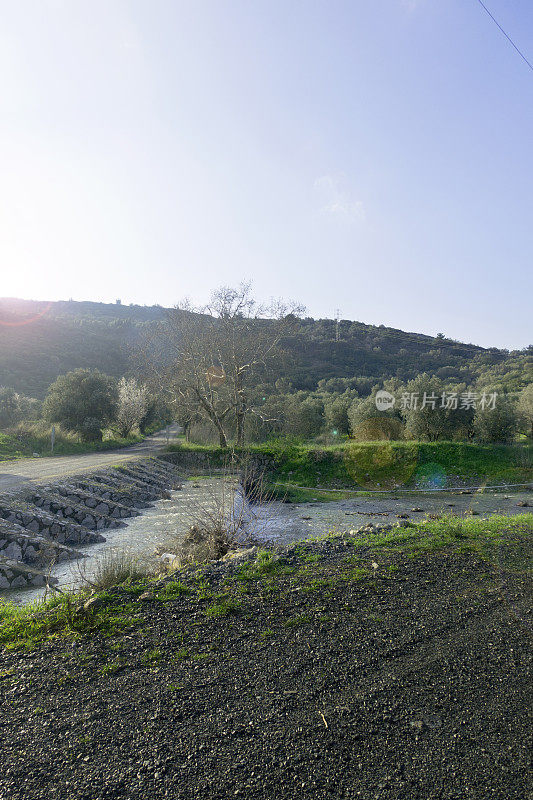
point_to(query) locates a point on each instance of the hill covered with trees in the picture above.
(40, 341)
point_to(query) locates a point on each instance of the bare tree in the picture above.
(209, 358)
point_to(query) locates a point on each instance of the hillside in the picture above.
(39, 341)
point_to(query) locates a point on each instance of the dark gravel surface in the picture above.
(408, 681)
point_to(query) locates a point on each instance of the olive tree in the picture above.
(9, 406)
(525, 410)
(83, 401)
(433, 412)
(498, 424)
(336, 408)
(368, 423)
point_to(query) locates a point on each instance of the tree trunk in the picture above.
(240, 429)
(215, 419)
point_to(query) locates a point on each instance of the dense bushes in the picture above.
(83, 401)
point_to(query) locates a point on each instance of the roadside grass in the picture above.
(503, 542)
(28, 438)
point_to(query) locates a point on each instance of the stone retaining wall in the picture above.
(36, 525)
(17, 544)
(196, 459)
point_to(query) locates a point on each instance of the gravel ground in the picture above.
(348, 678)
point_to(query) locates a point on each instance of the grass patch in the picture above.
(111, 667)
(300, 619)
(26, 626)
(172, 591)
(28, 438)
(506, 540)
(267, 565)
(152, 656)
(224, 608)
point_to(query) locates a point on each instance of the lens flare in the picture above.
(27, 320)
(431, 476)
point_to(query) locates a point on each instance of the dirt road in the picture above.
(14, 474)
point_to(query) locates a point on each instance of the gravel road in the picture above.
(409, 682)
(16, 474)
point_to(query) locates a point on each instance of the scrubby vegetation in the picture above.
(64, 336)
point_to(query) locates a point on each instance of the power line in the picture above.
(520, 53)
(325, 490)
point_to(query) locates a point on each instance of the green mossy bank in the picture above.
(371, 465)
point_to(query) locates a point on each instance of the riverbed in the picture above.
(162, 527)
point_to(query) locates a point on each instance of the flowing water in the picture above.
(163, 526)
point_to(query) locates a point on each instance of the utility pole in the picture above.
(337, 324)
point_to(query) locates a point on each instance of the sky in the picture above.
(370, 156)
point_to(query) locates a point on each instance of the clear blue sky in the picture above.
(374, 156)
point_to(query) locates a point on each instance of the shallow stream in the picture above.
(163, 526)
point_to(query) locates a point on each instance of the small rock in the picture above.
(148, 595)
(242, 554)
(93, 604)
(417, 510)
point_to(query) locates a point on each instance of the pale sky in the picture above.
(370, 155)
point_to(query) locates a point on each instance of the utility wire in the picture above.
(520, 53)
(362, 490)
